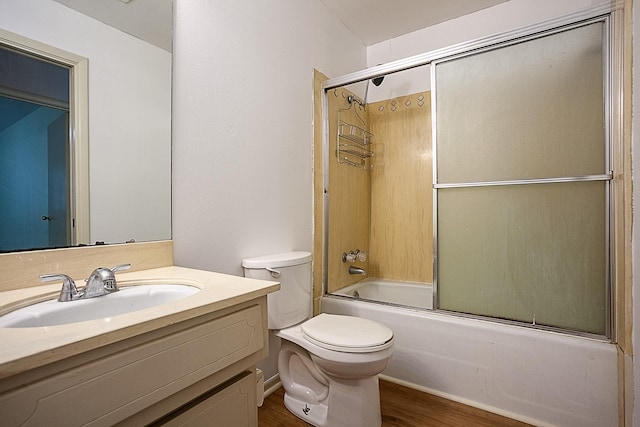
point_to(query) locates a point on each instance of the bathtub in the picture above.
(540, 377)
(419, 295)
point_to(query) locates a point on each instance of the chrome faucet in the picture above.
(102, 281)
(357, 270)
(69, 291)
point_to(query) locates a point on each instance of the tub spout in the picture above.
(357, 270)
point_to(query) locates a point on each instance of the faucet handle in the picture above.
(110, 283)
(103, 281)
(69, 290)
(349, 257)
(121, 267)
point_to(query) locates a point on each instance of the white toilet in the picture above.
(328, 364)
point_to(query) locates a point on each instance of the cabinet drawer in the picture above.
(232, 405)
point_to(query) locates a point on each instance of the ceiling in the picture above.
(149, 20)
(372, 21)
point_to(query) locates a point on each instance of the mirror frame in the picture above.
(78, 125)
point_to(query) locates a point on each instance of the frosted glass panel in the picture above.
(539, 104)
(532, 253)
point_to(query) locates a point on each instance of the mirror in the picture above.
(129, 107)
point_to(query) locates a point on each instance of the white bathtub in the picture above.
(403, 293)
(540, 377)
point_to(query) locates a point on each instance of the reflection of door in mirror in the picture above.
(35, 185)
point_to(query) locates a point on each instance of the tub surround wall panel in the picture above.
(401, 245)
(386, 211)
(633, 298)
(349, 195)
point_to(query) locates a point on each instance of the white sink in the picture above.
(126, 300)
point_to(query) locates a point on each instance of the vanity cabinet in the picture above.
(199, 371)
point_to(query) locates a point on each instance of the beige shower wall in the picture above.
(401, 246)
(387, 210)
(349, 195)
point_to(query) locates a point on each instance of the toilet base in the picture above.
(338, 390)
(353, 403)
(314, 414)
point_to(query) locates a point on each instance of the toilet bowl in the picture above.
(328, 364)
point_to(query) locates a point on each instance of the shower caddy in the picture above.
(354, 146)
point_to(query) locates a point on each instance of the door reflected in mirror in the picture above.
(36, 193)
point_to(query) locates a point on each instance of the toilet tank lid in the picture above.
(285, 259)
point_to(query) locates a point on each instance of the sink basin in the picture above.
(126, 300)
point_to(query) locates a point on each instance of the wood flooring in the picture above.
(401, 407)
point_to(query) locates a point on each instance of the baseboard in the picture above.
(271, 385)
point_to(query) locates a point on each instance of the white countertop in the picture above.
(27, 348)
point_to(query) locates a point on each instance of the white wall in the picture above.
(129, 117)
(242, 125)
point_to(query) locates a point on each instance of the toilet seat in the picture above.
(346, 333)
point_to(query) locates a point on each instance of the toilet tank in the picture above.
(293, 303)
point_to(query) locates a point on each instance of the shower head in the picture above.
(377, 80)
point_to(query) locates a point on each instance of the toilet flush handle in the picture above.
(274, 273)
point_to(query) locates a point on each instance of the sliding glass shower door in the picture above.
(522, 180)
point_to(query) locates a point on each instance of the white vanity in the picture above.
(191, 360)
